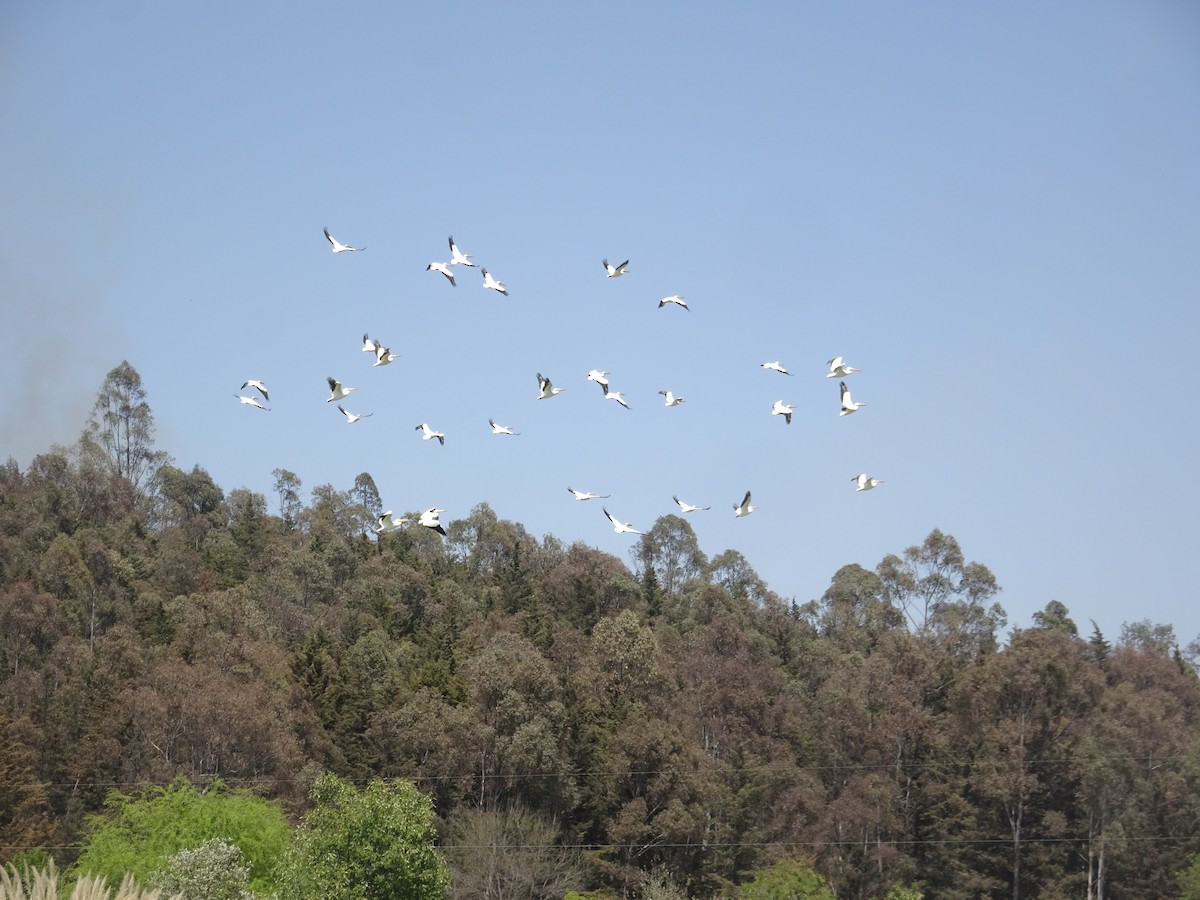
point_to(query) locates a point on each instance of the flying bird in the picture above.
(615, 271)
(429, 519)
(672, 400)
(444, 268)
(500, 429)
(338, 246)
(546, 390)
(621, 527)
(383, 356)
(490, 282)
(782, 409)
(257, 385)
(864, 483)
(429, 434)
(838, 369)
(459, 258)
(251, 401)
(688, 507)
(601, 378)
(744, 508)
(337, 392)
(776, 367)
(677, 299)
(848, 405)
(351, 418)
(387, 523)
(618, 396)
(587, 495)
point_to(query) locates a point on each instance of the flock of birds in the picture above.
(547, 390)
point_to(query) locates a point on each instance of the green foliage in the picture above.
(216, 870)
(792, 879)
(1189, 881)
(139, 833)
(1055, 617)
(359, 844)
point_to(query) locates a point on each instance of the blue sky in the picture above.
(991, 209)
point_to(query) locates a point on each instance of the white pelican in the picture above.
(351, 418)
(672, 400)
(459, 258)
(429, 434)
(338, 246)
(500, 429)
(618, 396)
(615, 271)
(251, 401)
(677, 299)
(782, 409)
(864, 483)
(838, 369)
(370, 345)
(257, 385)
(383, 356)
(688, 507)
(744, 508)
(545, 389)
(776, 367)
(429, 519)
(337, 392)
(387, 523)
(490, 282)
(444, 268)
(621, 527)
(601, 378)
(587, 495)
(848, 405)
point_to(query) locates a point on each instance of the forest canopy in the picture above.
(671, 720)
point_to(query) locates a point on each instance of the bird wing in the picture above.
(333, 383)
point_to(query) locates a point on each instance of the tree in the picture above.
(24, 819)
(375, 842)
(1055, 617)
(672, 550)
(139, 833)
(216, 870)
(853, 611)
(366, 494)
(120, 430)
(509, 852)
(287, 489)
(942, 596)
(792, 879)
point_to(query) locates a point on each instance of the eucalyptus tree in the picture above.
(120, 429)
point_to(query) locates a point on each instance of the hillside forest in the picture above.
(663, 720)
